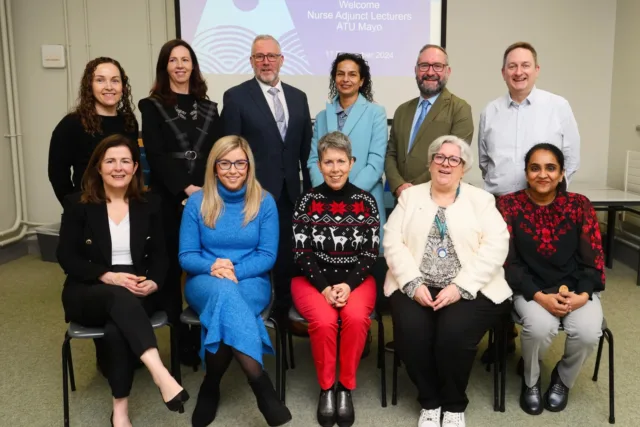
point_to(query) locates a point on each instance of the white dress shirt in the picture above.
(120, 242)
(265, 90)
(508, 130)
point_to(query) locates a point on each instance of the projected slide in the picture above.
(310, 32)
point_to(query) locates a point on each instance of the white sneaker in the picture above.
(429, 418)
(453, 419)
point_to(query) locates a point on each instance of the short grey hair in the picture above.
(433, 46)
(336, 140)
(264, 37)
(465, 150)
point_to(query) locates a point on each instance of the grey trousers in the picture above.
(539, 327)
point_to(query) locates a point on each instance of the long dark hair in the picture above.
(366, 89)
(161, 86)
(92, 184)
(86, 105)
(557, 153)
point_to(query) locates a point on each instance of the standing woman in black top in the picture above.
(179, 127)
(104, 108)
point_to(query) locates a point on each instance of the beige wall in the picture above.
(625, 95)
(575, 40)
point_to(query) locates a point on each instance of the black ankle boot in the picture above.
(326, 413)
(557, 396)
(207, 404)
(346, 415)
(531, 399)
(273, 410)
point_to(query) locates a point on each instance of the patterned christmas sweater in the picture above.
(336, 235)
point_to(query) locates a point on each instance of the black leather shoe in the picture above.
(346, 415)
(327, 408)
(531, 399)
(557, 396)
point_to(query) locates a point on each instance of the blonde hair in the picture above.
(212, 204)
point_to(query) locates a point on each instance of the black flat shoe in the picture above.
(557, 395)
(177, 403)
(346, 415)
(531, 399)
(327, 408)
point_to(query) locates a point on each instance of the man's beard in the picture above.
(429, 92)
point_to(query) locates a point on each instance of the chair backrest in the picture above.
(632, 174)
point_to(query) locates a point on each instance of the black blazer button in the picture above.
(88, 241)
(148, 237)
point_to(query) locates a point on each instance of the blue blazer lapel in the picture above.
(258, 97)
(355, 114)
(331, 116)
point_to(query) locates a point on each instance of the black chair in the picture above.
(191, 318)
(606, 334)
(294, 316)
(77, 331)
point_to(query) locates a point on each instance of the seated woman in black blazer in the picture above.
(112, 250)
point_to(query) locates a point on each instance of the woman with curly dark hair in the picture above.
(351, 110)
(179, 126)
(104, 108)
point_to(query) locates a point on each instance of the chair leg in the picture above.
(503, 364)
(490, 345)
(195, 365)
(382, 363)
(65, 381)
(279, 369)
(72, 376)
(175, 362)
(496, 340)
(638, 271)
(394, 387)
(612, 416)
(291, 359)
(596, 370)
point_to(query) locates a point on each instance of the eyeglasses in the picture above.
(453, 161)
(271, 57)
(225, 165)
(437, 67)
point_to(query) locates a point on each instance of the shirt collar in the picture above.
(431, 100)
(339, 109)
(531, 98)
(265, 87)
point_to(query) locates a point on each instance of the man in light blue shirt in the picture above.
(515, 122)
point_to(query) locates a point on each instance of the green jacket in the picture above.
(449, 115)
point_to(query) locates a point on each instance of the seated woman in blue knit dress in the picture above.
(336, 232)
(228, 245)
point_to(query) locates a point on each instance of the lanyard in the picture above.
(442, 225)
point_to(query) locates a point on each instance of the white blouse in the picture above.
(120, 242)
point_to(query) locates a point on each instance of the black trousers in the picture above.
(438, 347)
(125, 318)
(284, 268)
(171, 293)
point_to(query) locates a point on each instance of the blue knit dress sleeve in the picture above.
(262, 259)
(190, 255)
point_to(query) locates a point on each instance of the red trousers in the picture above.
(323, 329)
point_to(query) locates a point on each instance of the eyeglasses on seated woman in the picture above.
(228, 246)
(445, 244)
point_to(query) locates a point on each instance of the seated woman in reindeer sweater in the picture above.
(336, 242)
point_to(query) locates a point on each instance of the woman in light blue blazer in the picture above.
(352, 112)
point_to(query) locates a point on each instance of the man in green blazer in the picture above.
(418, 122)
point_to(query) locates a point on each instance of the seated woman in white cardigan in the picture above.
(445, 244)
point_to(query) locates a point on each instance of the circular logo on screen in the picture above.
(246, 5)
